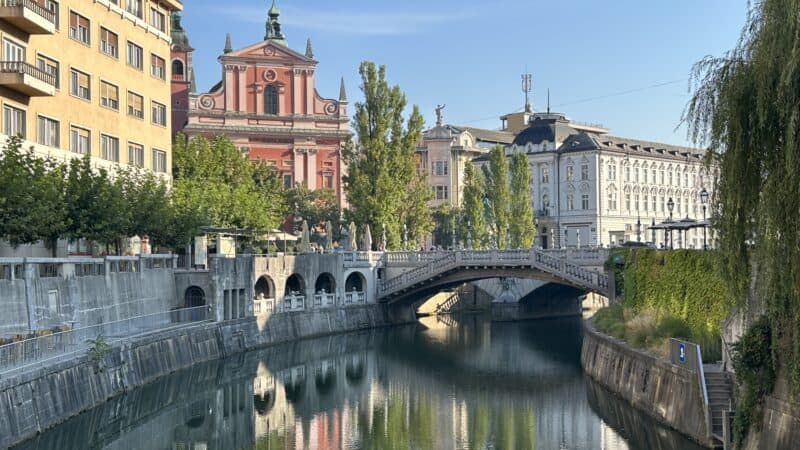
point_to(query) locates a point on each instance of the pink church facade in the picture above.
(268, 105)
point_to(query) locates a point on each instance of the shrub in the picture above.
(755, 375)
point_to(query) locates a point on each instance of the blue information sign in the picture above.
(682, 352)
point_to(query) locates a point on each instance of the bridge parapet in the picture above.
(544, 261)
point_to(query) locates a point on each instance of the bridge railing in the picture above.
(542, 260)
(355, 297)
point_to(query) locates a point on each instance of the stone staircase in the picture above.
(719, 387)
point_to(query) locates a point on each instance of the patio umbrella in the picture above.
(367, 239)
(306, 237)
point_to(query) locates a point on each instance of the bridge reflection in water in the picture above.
(461, 383)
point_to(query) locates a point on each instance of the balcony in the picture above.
(27, 79)
(28, 16)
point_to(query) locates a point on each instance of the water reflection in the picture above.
(447, 383)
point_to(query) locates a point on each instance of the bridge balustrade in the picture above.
(294, 303)
(355, 297)
(324, 299)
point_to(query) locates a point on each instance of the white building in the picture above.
(590, 188)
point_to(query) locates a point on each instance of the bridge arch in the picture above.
(264, 288)
(325, 282)
(295, 284)
(325, 378)
(194, 296)
(263, 403)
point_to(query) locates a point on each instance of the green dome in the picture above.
(274, 11)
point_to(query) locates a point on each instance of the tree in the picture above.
(32, 206)
(215, 185)
(473, 205)
(521, 221)
(498, 195)
(383, 185)
(147, 201)
(317, 206)
(448, 220)
(746, 108)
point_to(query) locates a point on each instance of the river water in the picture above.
(445, 383)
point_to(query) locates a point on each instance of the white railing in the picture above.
(52, 347)
(355, 297)
(324, 299)
(534, 258)
(294, 302)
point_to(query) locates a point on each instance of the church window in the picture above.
(570, 173)
(584, 172)
(271, 100)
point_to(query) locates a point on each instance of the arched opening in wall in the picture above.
(354, 370)
(355, 282)
(381, 274)
(271, 100)
(295, 390)
(194, 297)
(196, 414)
(177, 68)
(295, 285)
(263, 403)
(325, 284)
(265, 288)
(325, 379)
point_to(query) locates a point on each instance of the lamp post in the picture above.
(670, 207)
(638, 229)
(535, 230)
(564, 244)
(453, 231)
(704, 201)
(552, 239)
(469, 235)
(653, 232)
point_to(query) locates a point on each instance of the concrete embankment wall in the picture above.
(668, 393)
(780, 421)
(39, 399)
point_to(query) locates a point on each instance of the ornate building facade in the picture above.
(268, 105)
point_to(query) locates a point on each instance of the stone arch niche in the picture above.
(355, 282)
(325, 283)
(264, 288)
(295, 284)
(194, 296)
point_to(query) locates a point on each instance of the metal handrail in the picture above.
(43, 349)
(50, 16)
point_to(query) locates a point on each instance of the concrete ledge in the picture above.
(39, 399)
(668, 393)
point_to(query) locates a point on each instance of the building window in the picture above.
(327, 181)
(159, 114)
(177, 69)
(79, 84)
(663, 205)
(109, 148)
(135, 105)
(50, 66)
(13, 51)
(287, 181)
(271, 100)
(653, 175)
(441, 192)
(13, 121)
(109, 95)
(52, 6)
(440, 168)
(570, 173)
(627, 202)
(636, 202)
(653, 201)
(135, 56)
(627, 174)
(157, 20)
(159, 161)
(636, 174)
(545, 174)
(612, 171)
(644, 201)
(158, 67)
(584, 201)
(135, 154)
(79, 140)
(570, 202)
(584, 172)
(47, 132)
(545, 202)
(662, 176)
(612, 201)
(109, 43)
(686, 179)
(134, 7)
(79, 27)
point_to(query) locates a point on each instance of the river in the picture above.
(445, 383)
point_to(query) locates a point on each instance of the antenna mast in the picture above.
(527, 87)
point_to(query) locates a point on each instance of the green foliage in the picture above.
(98, 349)
(448, 221)
(746, 108)
(498, 194)
(473, 205)
(521, 208)
(383, 185)
(316, 207)
(755, 374)
(214, 184)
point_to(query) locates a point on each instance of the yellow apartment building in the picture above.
(89, 77)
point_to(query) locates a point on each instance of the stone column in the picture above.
(299, 163)
(259, 92)
(311, 168)
(297, 99)
(242, 88)
(229, 91)
(309, 91)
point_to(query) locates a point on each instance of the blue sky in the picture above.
(470, 54)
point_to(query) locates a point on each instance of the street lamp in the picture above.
(564, 244)
(653, 232)
(670, 207)
(704, 201)
(638, 229)
(469, 235)
(535, 230)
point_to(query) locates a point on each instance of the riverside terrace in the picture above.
(49, 308)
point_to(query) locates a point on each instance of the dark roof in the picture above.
(589, 141)
(482, 134)
(544, 129)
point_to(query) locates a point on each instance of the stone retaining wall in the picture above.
(39, 399)
(668, 393)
